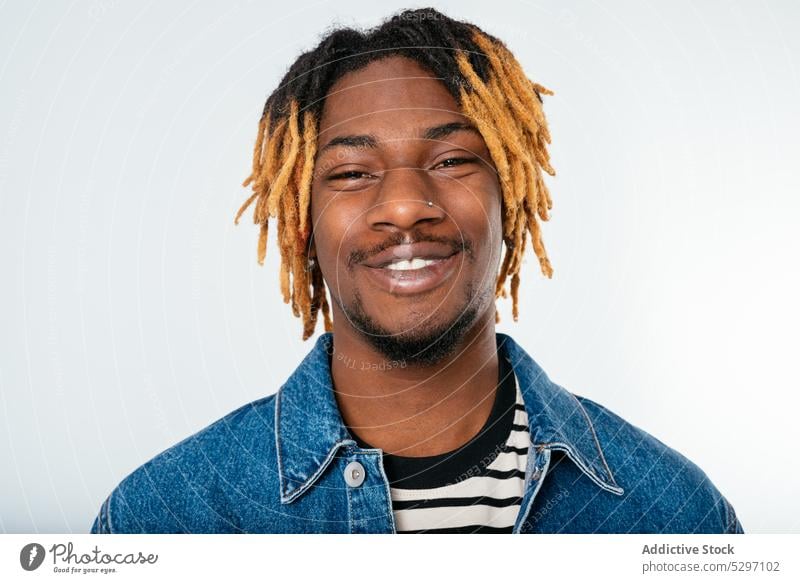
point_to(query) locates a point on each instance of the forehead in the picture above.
(391, 93)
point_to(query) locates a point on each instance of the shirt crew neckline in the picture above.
(468, 460)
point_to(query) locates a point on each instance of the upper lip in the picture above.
(422, 250)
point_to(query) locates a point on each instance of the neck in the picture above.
(412, 410)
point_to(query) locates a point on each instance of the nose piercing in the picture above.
(430, 203)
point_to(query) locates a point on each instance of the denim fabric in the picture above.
(277, 466)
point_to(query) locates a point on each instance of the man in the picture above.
(398, 164)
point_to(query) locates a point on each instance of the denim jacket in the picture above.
(277, 466)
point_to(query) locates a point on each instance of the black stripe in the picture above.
(519, 407)
(450, 502)
(511, 449)
(475, 528)
(516, 427)
(504, 474)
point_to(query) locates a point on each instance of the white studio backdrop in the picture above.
(133, 313)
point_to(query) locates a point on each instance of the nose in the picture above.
(406, 198)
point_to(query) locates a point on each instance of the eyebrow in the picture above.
(370, 141)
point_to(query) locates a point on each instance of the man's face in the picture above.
(410, 277)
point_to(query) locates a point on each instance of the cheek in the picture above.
(332, 225)
(484, 220)
(479, 216)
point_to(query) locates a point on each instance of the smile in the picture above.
(413, 276)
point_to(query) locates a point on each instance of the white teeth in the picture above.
(405, 264)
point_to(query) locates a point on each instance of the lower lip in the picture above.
(413, 281)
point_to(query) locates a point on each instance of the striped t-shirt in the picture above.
(475, 488)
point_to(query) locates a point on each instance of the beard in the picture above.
(420, 345)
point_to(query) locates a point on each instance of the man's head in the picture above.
(398, 161)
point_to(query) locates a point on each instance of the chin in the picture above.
(418, 339)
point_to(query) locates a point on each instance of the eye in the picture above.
(451, 162)
(348, 175)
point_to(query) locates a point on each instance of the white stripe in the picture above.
(453, 516)
(519, 439)
(475, 486)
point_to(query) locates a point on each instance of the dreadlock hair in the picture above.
(491, 89)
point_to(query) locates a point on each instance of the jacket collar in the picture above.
(309, 429)
(556, 419)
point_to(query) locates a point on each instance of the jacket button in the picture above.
(354, 474)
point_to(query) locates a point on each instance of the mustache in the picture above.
(360, 255)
